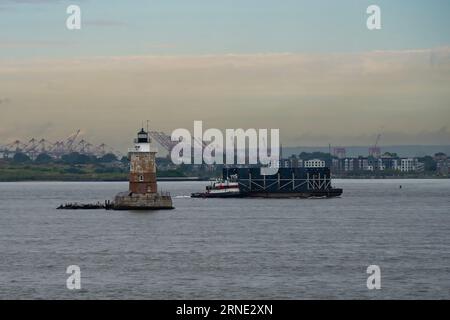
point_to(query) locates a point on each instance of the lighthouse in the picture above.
(143, 188)
(142, 165)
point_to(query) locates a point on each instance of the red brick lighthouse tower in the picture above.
(143, 190)
(142, 165)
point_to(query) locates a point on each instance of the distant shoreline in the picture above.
(160, 179)
(405, 177)
(198, 179)
(56, 172)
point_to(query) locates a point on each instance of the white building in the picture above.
(314, 163)
(348, 165)
(363, 164)
(410, 164)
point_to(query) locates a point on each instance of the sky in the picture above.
(310, 68)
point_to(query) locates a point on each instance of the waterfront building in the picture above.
(377, 164)
(314, 163)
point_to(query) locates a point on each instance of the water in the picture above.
(228, 248)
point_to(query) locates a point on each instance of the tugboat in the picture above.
(221, 188)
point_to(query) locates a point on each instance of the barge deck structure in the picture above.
(285, 183)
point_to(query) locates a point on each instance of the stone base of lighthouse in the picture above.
(146, 201)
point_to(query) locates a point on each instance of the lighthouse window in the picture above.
(141, 178)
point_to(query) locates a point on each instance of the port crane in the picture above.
(70, 140)
(34, 147)
(340, 152)
(84, 147)
(12, 148)
(164, 140)
(375, 151)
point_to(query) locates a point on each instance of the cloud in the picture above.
(104, 23)
(438, 136)
(33, 1)
(161, 45)
(5, 44)
(6, 9)
(4, 100)
(312, 98)
(8, 4)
